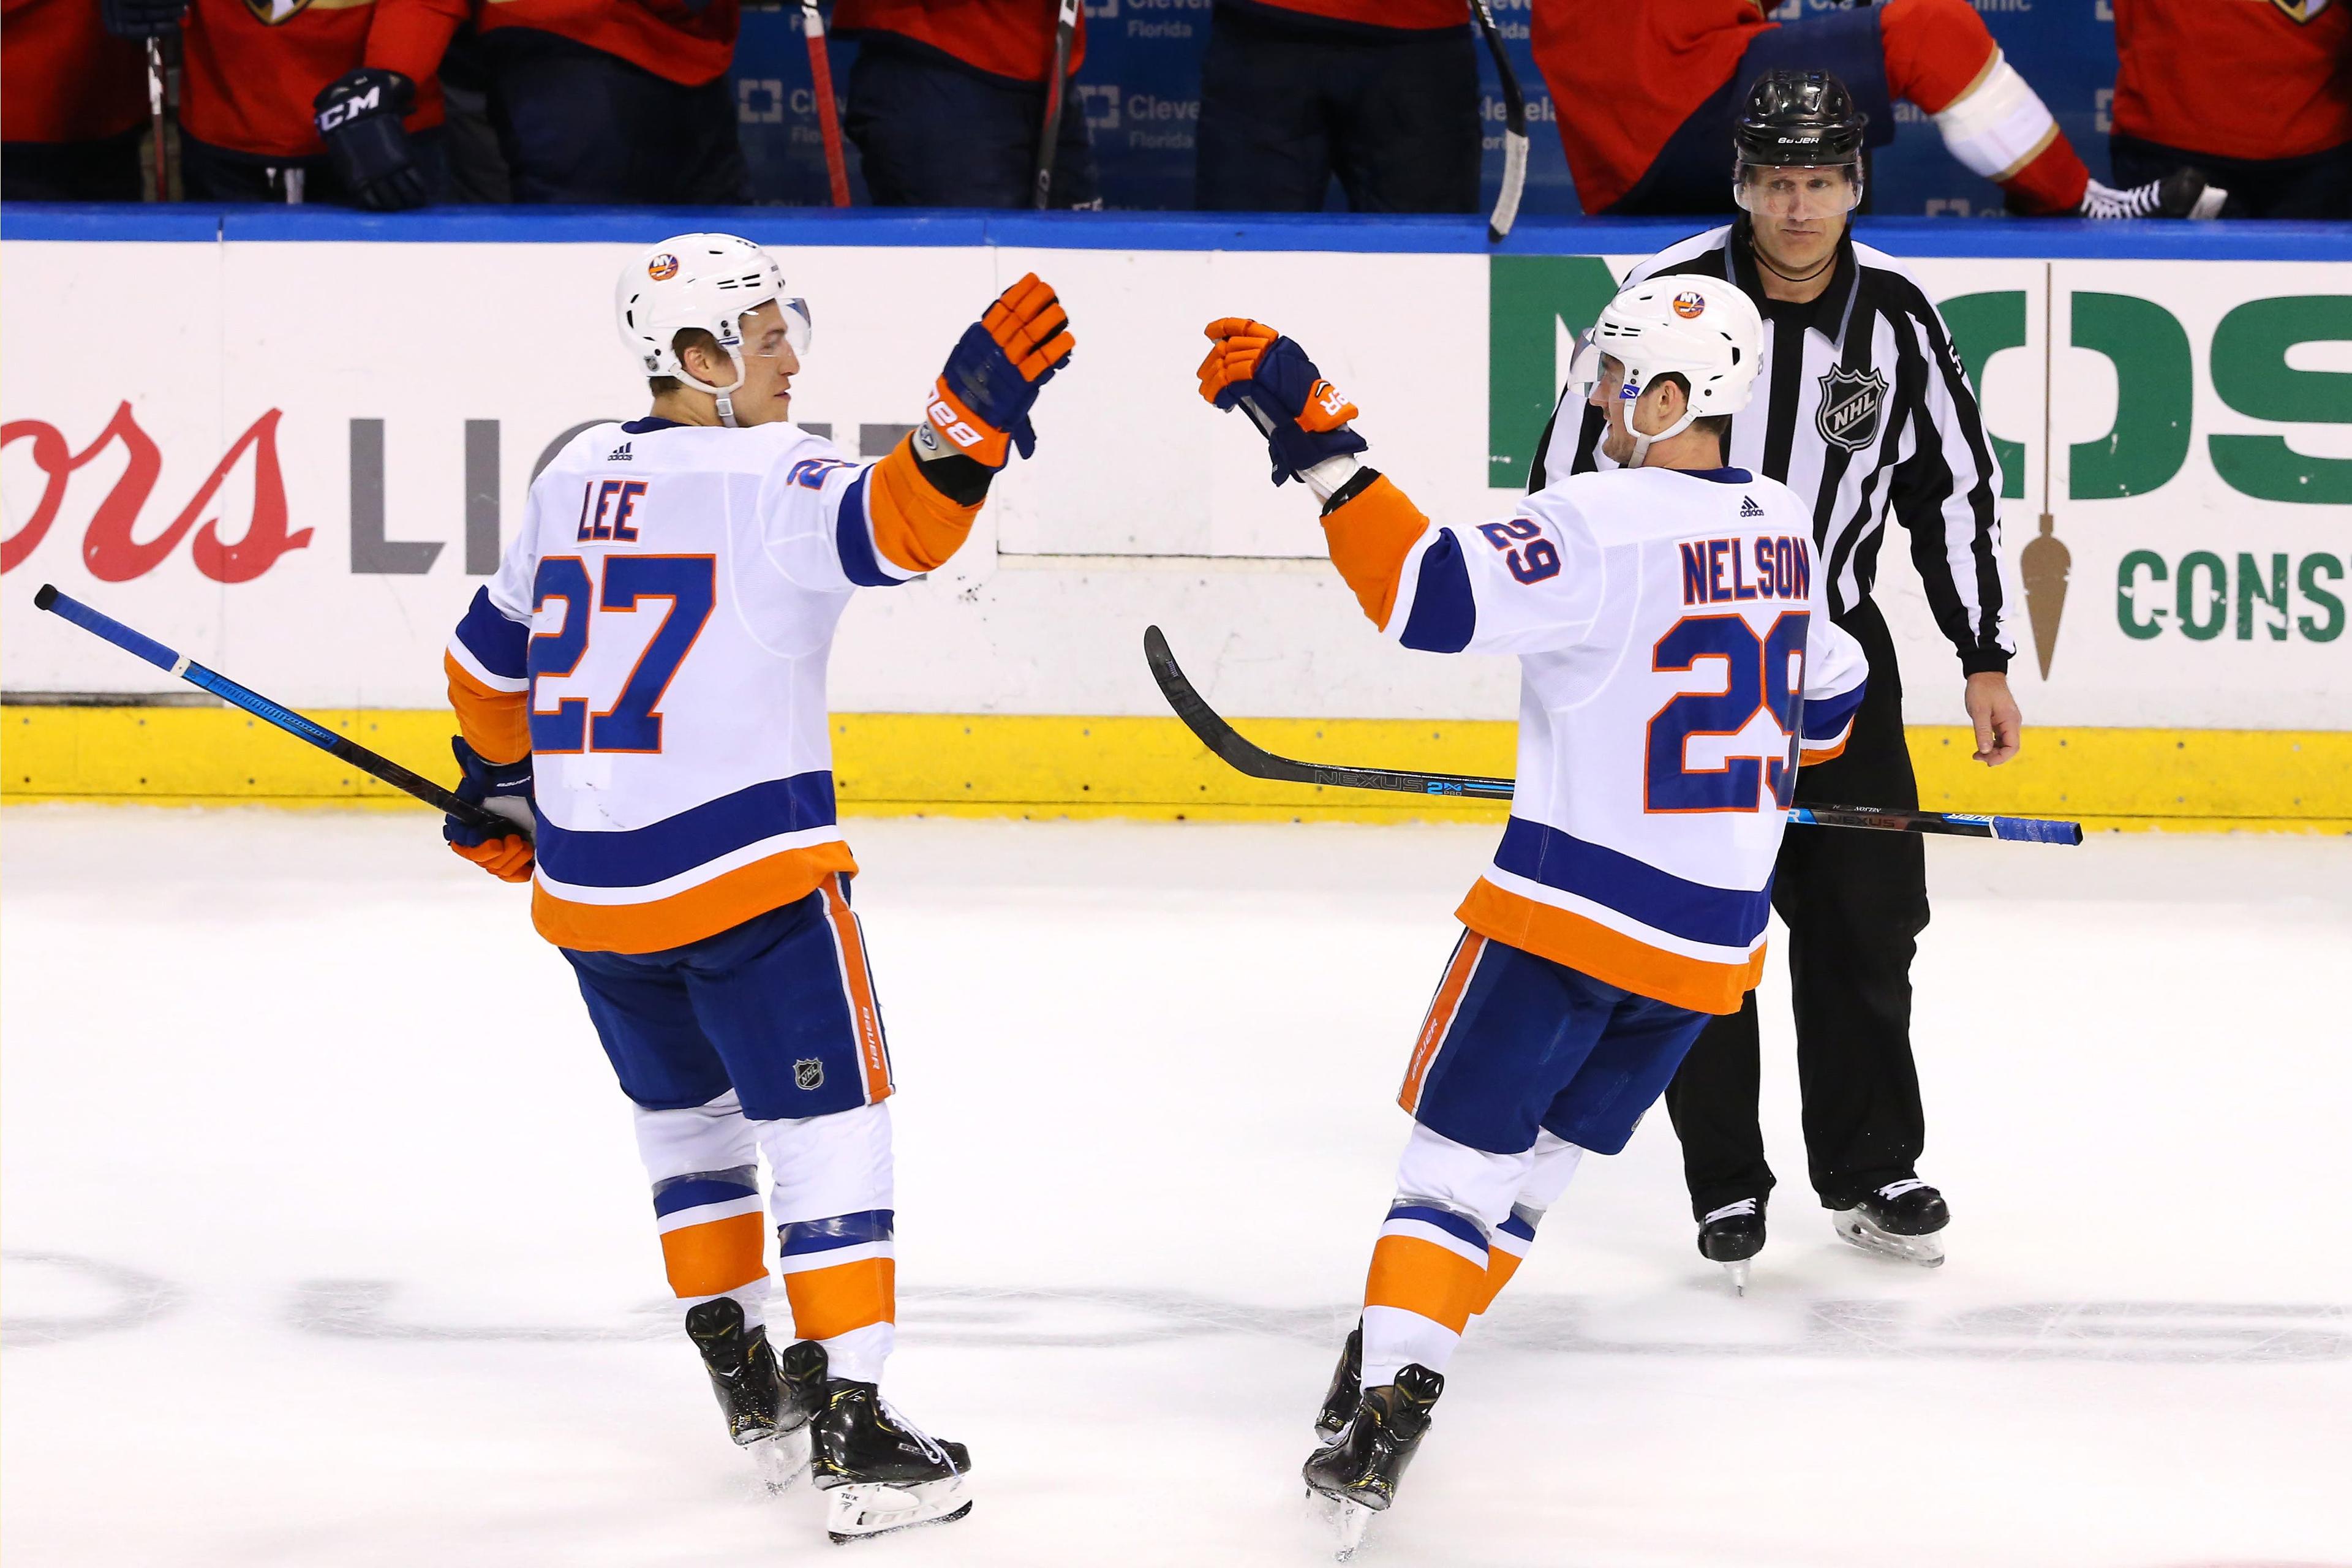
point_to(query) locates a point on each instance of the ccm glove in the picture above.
(1304, 417)
(982, 401)
(504, 788)
(358, 116)
(141, 18)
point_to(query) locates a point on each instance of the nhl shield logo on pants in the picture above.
(1849, 410)
(808, 1073)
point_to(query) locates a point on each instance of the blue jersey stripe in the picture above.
(502, 647)
(1446, 1220)
(1518, 1226)
(856, 540)
(1660, 899)
(800, 1237)
(1824, 719)
(634, 858)
(1445, 614)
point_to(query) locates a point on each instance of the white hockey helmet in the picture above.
(1705, 330)
(706, 280)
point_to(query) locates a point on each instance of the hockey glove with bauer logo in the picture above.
(980, 405)
(504, 788)
(358, 116)
(1304, 417)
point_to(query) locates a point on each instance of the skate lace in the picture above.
(1894, 1189)
(2140, 201)
(931, 1446)
(1743, 1207)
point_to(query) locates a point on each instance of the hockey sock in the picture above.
(703, 1163)
(834, 1233)
(1554, 1163)
(1939, 56)
(1429, 1267)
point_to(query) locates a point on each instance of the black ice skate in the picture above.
(767, 1412)
(2184, 192)
(1356, 1475)
(1731, 1235)
(1347, 1389)
(1900, 1220)
(878, 1472)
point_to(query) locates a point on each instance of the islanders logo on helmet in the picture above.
(662, 268)
(1690, 304)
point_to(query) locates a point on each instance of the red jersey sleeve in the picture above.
(252, 73)
(1624, 74)
(63, 77)
(689, 48)
(2188, 66)
(410, 36)
(1011, 38)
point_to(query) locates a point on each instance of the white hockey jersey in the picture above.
(1679, 663)
(657, 638)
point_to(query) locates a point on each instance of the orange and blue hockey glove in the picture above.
(504, 788)
(981, 404)
(1304, 417)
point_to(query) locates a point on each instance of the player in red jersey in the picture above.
(1384, 94)
(73, 104)
(945, 102)
(1646, 91)
(2180, 98)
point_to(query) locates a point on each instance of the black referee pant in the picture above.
(1856, 902)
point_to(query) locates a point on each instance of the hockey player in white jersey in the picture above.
(1678, 665)
(644, 684)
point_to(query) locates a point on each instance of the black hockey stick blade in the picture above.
(1231, 747)
(1514, 128)
(342, 748)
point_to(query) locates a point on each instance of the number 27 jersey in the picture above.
(1678, 664)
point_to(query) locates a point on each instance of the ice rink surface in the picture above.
(327, 1243)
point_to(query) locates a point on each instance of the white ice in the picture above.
(327, 1244)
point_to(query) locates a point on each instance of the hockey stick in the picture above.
(1243, 756)
(479, 818)
(828, 113)
(1514, 128)
(1064, 28)
(155, 119)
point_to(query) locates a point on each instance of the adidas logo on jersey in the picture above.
(1747, 507)
(621, 454)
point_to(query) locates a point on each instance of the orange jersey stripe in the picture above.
(829, 1301)
(721, 1255)
(1417, 1276)
(1607, 955)
(1808, 755)
(495, 723)
(1500, 1267)
(865, 1013)
(915, 526)
(1369, 538)
(725, 902)
(1441, 1017)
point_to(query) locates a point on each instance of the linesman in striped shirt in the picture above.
(1865, 410)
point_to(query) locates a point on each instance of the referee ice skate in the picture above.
(1863, 409)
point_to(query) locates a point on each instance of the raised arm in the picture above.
(1517, 585)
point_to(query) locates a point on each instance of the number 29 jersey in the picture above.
(657, 638)
(1678, 664)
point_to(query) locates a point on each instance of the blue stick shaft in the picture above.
(342, 747)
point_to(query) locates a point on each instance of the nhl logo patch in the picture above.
(662, 268)
(1850, 406)
(1690, 304)
(808, 1073)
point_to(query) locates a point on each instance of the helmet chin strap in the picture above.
(1642, 443)
(721, 395)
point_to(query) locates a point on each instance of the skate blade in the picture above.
(1347, 1520)
(1854, 1228)
(1737, 1272)
(780, 1460)
(866, 1509)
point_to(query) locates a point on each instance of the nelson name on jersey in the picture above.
(1713, 573)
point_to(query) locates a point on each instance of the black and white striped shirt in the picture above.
(1870, 413)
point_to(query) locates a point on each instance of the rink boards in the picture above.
(291, 450)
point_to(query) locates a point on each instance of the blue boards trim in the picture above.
(2036, 239)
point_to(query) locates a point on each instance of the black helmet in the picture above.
(1799, 119)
